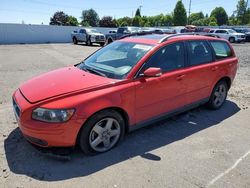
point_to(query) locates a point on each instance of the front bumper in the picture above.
(42, 133)
(240, 39)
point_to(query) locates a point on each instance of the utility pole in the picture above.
(189, 9)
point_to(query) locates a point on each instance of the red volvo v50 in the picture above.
(123, 86)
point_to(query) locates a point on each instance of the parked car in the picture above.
(121, 31)
(112, 31)
(229, 35)
(246, 31)
(128, 84)
(162, 31)
(89, 36)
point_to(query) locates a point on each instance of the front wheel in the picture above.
(218, 95)
(88, 42)
(102, 132)
(75, 40)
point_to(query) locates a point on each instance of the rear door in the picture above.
(200, 72)
(158, 95)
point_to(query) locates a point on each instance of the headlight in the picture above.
(52, 115)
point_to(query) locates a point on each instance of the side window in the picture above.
(168, 58)
(199, 53)
(82, 31)
(223, 31)
(218, 31)
(221, 49)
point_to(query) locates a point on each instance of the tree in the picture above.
(107, 21)
(180, 14)
(138, 12)
(232, 20)
(59, 18)
(195, 17)
(136, 21)
(242, 12)
(90, 18)
(213, 21)
(125, 21)
(220, 15)
(72, 21)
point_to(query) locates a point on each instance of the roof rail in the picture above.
(176, 35)
(183, 34)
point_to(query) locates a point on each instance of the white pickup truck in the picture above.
(228, 34)
(88, 36)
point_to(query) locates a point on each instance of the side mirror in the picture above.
(152, 72)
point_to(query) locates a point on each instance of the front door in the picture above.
(158, 95)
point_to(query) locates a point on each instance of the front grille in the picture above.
(99, 37)
(16, 108)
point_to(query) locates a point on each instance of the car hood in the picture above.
(61, 81)
(96, 34)
(239, 33)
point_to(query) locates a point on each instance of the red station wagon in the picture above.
(128, 84)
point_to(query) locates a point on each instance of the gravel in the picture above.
(199, 148)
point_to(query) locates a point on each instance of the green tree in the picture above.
(59, 18)
(195, 17)
(220, 15)
(242, 12)
(125, 21)
(136, 21)
(72, 21)
(212, 21)
(90, 18)
(180, 14)
(138, 12)
(232, 20)
(107, 21)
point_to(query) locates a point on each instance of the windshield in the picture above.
(91, 30)
(115, 60)
(231, 31)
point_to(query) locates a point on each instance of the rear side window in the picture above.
(199, 53)
(221, 49)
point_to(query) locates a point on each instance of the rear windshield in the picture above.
(221, 49)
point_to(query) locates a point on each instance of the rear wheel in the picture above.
(232, 39)
(102, 132)
(75, 40)
(218, 95)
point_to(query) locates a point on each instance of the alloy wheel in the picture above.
(104, 134)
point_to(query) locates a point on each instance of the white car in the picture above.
(88, 36)
(228, 34)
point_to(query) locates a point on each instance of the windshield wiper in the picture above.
(94, 71)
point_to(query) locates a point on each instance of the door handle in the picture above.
(214, 68)
(180, 77)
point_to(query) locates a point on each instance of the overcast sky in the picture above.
(40, 11)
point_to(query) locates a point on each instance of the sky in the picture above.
(40, 11)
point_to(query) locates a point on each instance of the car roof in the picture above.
(154, 39)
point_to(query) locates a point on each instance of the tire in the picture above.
(110, 40)
(88, 42)
(96, 133)
(102, 44)
(232, 39)
(75, 40)
(218, 96)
